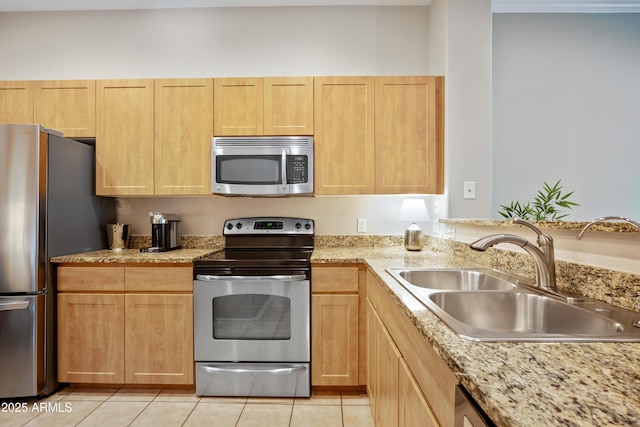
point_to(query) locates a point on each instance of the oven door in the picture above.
(252, 318)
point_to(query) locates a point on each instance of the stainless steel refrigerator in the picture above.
(48, 208)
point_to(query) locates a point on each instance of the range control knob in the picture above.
(238, 226)
(307, 226)
(298, 225)
(229, 226)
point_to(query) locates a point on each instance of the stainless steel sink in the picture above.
(489, 305)
(509, 315)
(453, 279)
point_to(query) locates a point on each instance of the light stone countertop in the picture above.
(612, 226)
(132, 256)
(516, 384)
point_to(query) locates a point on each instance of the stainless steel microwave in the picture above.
(262, 165)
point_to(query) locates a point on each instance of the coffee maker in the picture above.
(165, 232)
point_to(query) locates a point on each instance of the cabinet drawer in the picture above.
(151, 279)
(334, 279)
(91, 279)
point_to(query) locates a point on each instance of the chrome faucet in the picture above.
(607, 218)
(543, 254)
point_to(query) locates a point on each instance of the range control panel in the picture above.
(268, 225)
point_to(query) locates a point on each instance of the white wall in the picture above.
(566, 105)
(467, 63)
(217, 42)
(214, 42)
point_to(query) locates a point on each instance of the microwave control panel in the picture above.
(297, 169)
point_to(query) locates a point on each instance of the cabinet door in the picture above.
(16, 102)
(384, 362)
(91, 338)
(288, 106)
(238, 106)
(183, 131)
(124, 137)
(68, 106)
(409, 135)
(159, 339)
(344, 135)
(334, 339)
(413, 407)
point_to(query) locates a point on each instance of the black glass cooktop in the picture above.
(255, 256)
(274, 261)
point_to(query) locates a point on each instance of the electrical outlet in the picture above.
(362, 225)
(469, 189)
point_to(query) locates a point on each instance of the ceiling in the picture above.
(498, 6)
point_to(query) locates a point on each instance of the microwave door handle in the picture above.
(284, 169)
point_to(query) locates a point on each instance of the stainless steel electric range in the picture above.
(252, 304)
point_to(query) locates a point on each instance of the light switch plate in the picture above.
(362, 225)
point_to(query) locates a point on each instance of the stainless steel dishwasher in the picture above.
(467, 413)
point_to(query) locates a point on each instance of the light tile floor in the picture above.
(84, 407)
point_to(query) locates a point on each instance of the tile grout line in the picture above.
(94, 409)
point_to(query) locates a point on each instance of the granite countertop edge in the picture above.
(134, 256)
(613, 226)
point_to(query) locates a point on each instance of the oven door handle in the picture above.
(278, 277)
(276, 371)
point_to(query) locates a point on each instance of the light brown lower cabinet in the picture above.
(384, 362)
(407, 382)
(91, 338)
(157, 342)
(413, 409)
(119, 332)
(337, 343)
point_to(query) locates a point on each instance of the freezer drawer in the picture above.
(21, 341)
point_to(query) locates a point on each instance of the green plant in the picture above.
(545, 207)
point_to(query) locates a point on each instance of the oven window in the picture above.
(249, 169)
(252, 317)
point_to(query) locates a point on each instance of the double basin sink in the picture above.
(483, 304)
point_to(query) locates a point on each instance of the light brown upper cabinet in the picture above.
(409, 134)
(344, 135)
(16, 102)
(263, 106)
(288, 106)
(183, 131)
(68, 106)
(124, 137)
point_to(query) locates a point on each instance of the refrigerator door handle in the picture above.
(8, 306)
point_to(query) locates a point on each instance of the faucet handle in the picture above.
(544, 240)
